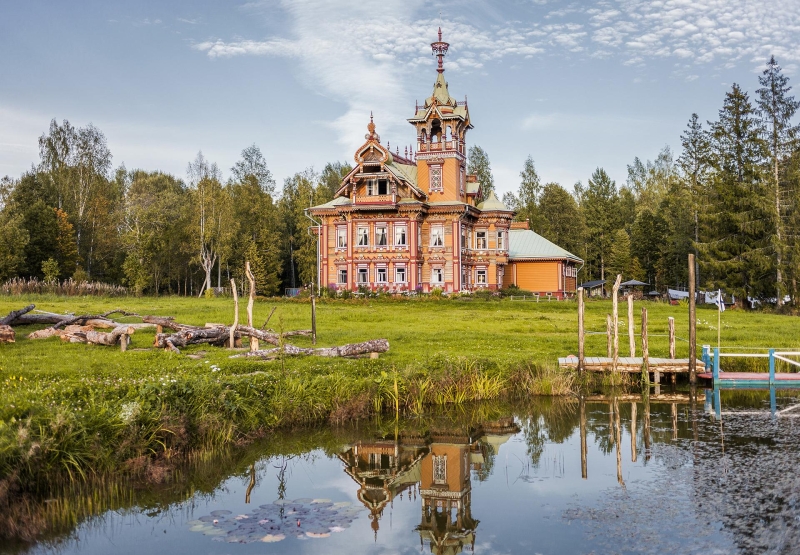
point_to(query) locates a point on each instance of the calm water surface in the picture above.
(601, 475)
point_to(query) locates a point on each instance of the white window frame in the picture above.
(481, 272)
(481, 243)
(341, 237)
(398, 230)
(362, 271)
(501, 240)
(437, 271)
(381, 270)
(339, 273)
(372, 187)
(381, 230)
(398, 270)
(439, 469)
(436, 179)
(437, 235)
(362, 232)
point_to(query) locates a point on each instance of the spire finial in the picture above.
(439, 49)
(371, 125)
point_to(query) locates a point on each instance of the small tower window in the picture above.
(436, 179)
(436, 131)
(383, 187)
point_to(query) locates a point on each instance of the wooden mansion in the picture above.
(417, 221)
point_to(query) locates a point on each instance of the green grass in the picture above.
(74, 411)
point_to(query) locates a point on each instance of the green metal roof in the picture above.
(493, 203)
(338, 201)
(524, 243)
(404, 171)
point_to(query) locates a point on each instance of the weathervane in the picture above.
(439, 50)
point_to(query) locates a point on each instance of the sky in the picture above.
(575, 85)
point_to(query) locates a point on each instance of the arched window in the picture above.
(424, 136)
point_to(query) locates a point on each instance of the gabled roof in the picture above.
(525, 244)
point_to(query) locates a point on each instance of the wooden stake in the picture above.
(633, 432)
(313, 318)
(250, 302)
(235, 313)
(609, 340)
(123, 342)
(617, 441)
(645, 344)
(584, 469)
(615, 313)
(581, 330)
(647, 428)
(692, 323)
(631, 339)
(674, 421)
(671, 337)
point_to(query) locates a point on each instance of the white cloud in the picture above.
(348, 54)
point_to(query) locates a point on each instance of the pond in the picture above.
(603, 474)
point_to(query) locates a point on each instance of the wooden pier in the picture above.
(712, 362)
(631, 365)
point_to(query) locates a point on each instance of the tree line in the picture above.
(732, 197)
(70, 216)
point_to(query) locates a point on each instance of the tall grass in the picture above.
(68, 287)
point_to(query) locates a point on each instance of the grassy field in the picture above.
(74, 410)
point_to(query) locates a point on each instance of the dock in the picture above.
(631, 365)
(753, 378)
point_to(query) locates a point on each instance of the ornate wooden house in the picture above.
(416, 221)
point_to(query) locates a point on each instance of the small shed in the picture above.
(594, 288)
(632, 287)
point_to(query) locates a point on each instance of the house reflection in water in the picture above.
(436, 467)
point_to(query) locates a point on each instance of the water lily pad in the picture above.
(318, 534)
(214, 532)
(303, 500)
(271, 538)
(206, 518)
(220, 512)
(321, 501)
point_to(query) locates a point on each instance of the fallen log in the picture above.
(7, 334)
(14, 314)
(349, 350)
(85, 334)
(218, 336)
(167, 322)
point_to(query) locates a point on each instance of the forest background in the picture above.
(732, 197)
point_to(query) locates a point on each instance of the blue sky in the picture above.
(576, 85)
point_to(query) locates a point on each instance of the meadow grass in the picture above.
(74, 411)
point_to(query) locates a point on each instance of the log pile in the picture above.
(84, 329)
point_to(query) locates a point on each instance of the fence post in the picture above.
(771, 366)
(716, 365)
(581, 330)
(707, 356)
(631, 339)
(692, 323)
(615, 310)
(608, 335)
(646, 347)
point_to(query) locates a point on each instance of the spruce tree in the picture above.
(777, 109)
(600, 206)
(695, 165)
(735, 252)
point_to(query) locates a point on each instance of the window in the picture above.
(363, 276)
(400, 236)
(342, 279)
(436, 179)
(381, 236)
(341, 237)
(383, 187)
(437, 276)
(480, 240)
(464, 234)
(501, 240)
(480, 277)
(400, 274)
(371, 187)
(440, 469)
(382, 273)
(437, 236)
(363, 236)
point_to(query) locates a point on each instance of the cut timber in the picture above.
(13, 315)
(109, 338)
(7, 334)
(353, 349)
(218, 335)
(251, 279)
(164, 322)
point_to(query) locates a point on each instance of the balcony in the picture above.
(375, 199)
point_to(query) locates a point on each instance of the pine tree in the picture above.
(695, 164)
(563, 221)
(528, 197)
(777, 110)
(735, 252)
(600, 207)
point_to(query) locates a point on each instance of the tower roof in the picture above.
(493, 203)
